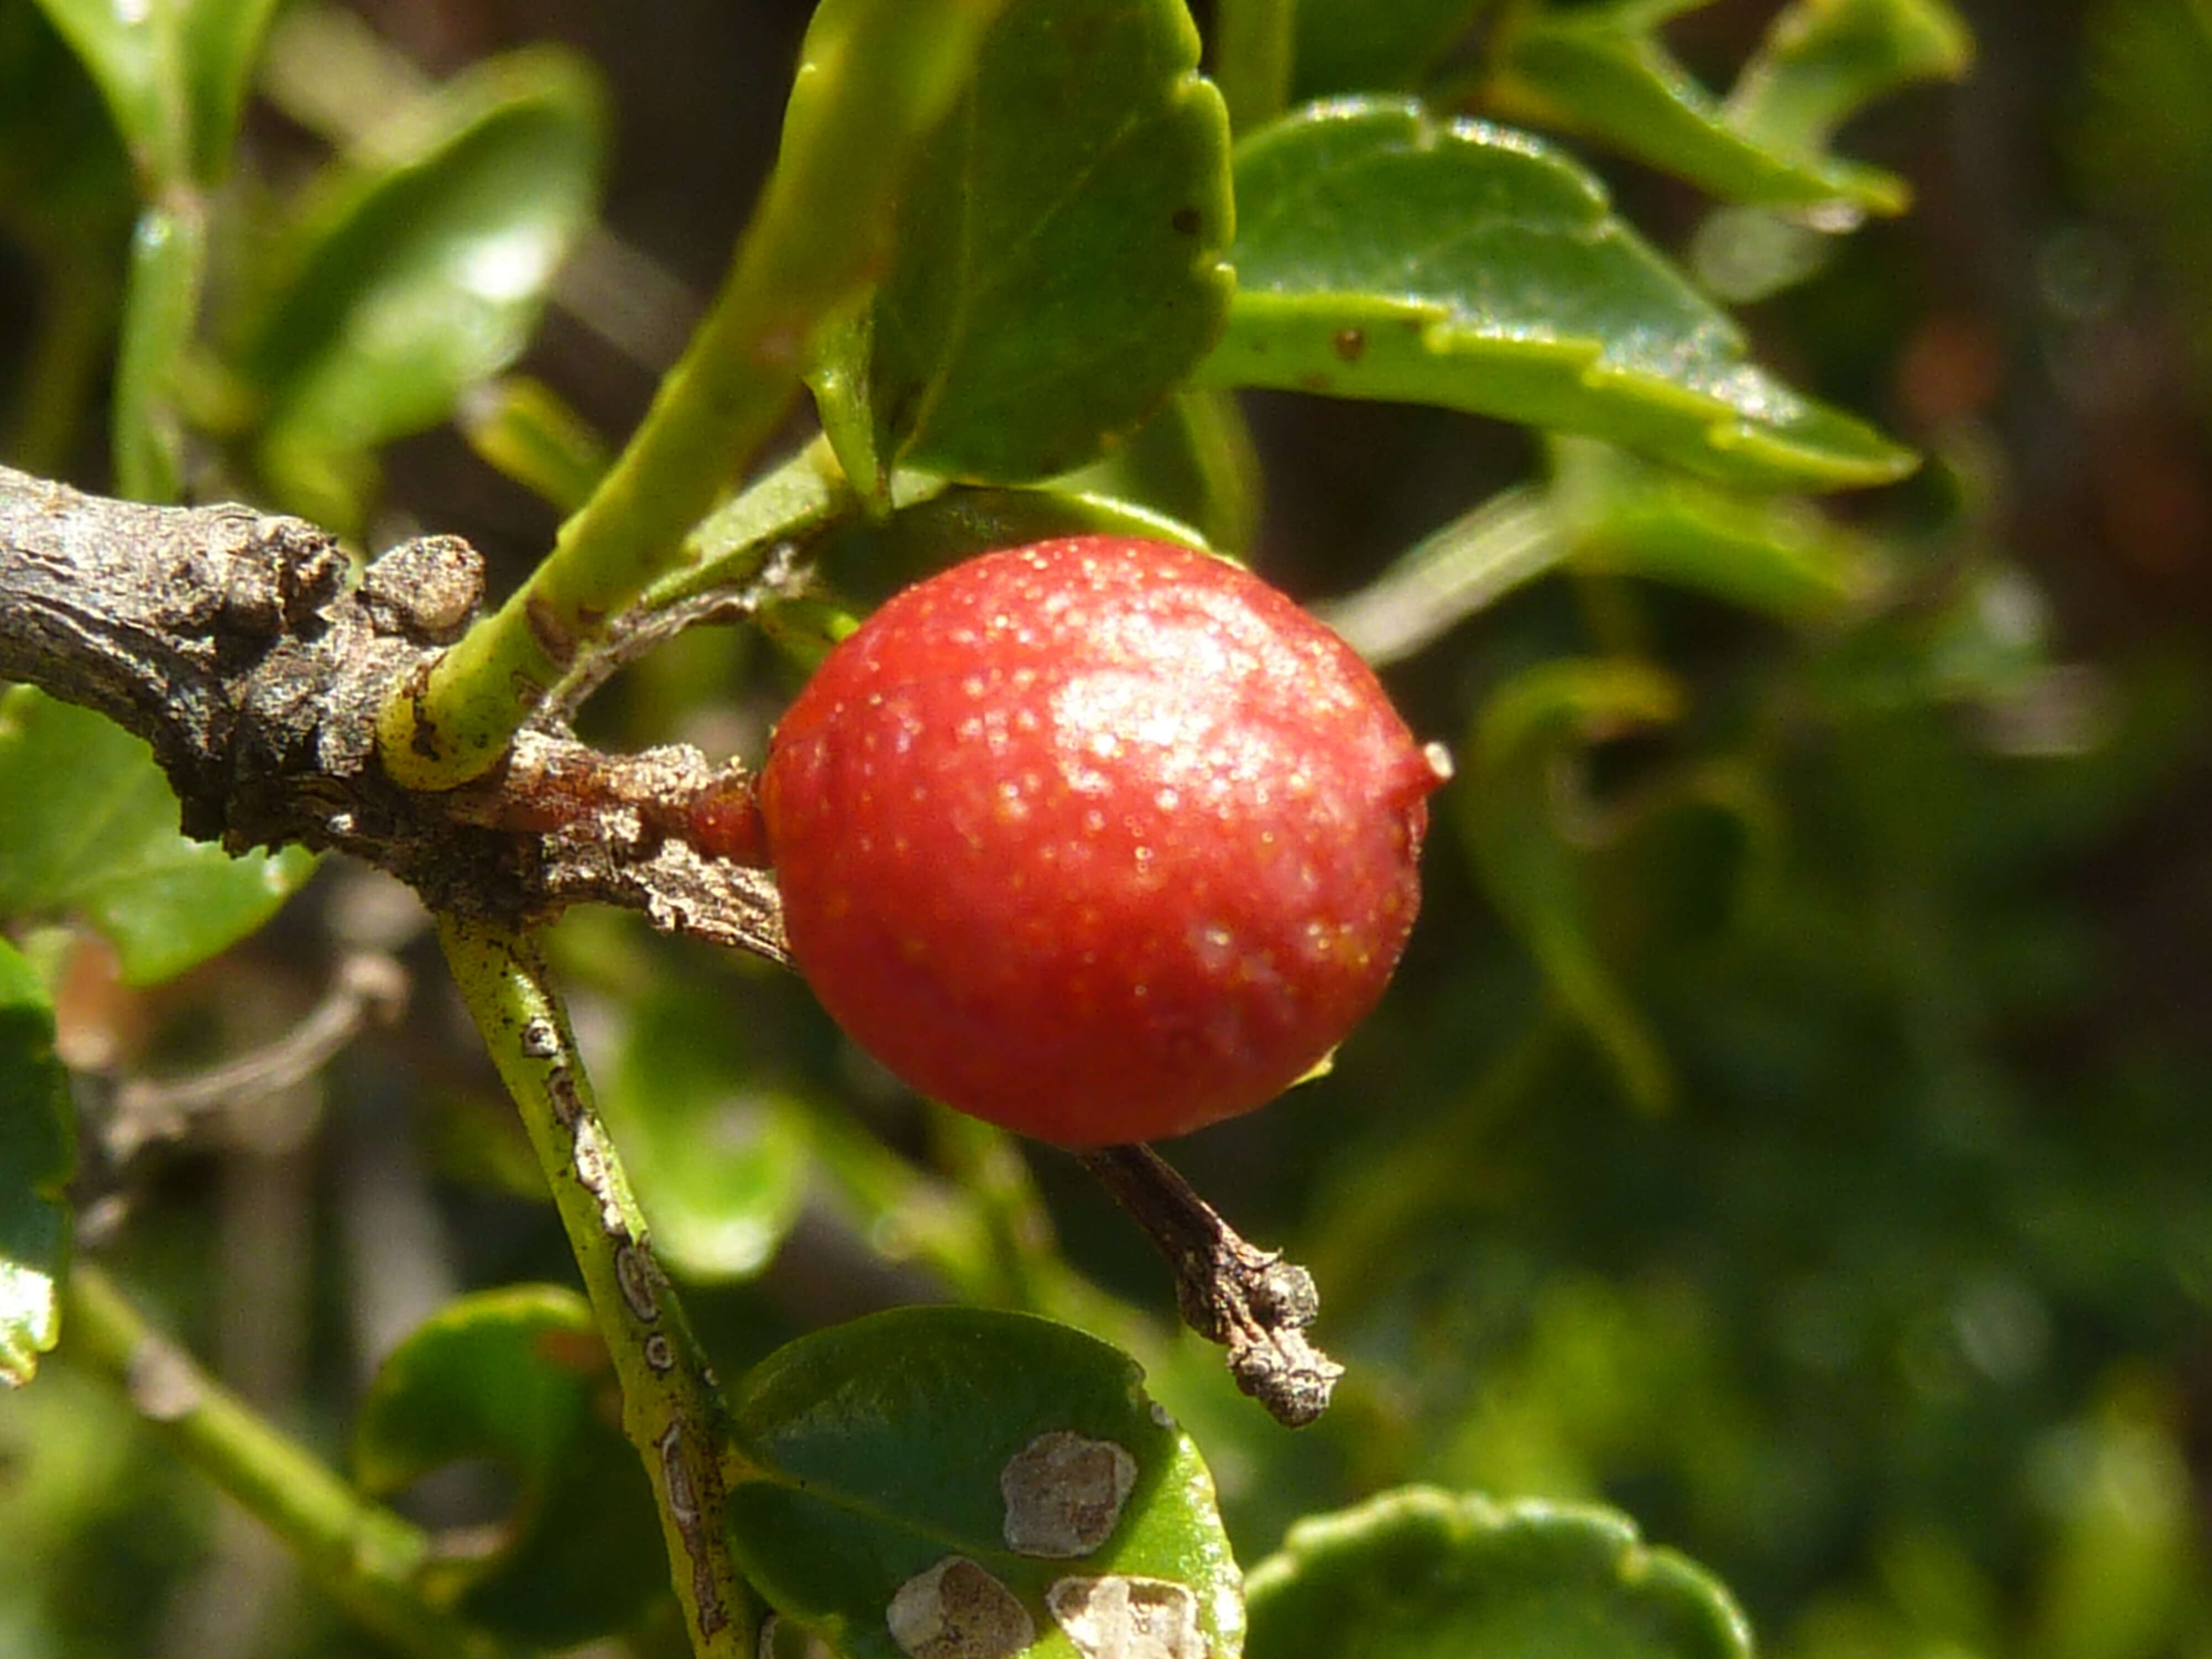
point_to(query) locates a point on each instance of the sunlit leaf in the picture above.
(519, 1377)
(1422, 1574)
(1058, 266)
(978, 1477)
(37, 1156)
(1824, 60)
(1603, 71)
(422, 270)
(1382, 253)
(88, 829)
(1772, 553)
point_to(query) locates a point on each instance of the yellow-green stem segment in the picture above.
(672, 1407)
(362, 1555)
(875, 78)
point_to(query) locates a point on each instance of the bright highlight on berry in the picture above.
(1101, 840)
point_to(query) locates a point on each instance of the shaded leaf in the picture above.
(940, 529)
(422, 270)
(993, 1474)
(1355, 45)
(88, 828)
(1058, 265)
(718, 1161)
(37, 1157)
(1419, 1573)
(1194, 462)
(1519, 806)
(520, 1376)
(1382, 254)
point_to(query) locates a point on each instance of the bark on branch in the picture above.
(232, 642)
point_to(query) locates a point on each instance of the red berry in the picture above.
(1101, 840)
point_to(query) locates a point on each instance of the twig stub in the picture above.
(1251, 1301)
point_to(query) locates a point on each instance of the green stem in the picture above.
(875, 78)
(1255, 43)
(160, 309)
(361, 1553)
(1510, 539)
(671, 1404)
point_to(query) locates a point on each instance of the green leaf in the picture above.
(518, 1376)
(719, 1162)
(1356, 45)
(1528, 825)
(422, 271)
(1603, 71)
(1058, 265)
(1382, 254)
(872, 560)
(38, 1154)
(1824, 60)
(222, 42)
(1194, 462)
(942, 1475)
(173, 73)
(88, 828)
(1772, 553)
(1419, 1573)
(135, 54)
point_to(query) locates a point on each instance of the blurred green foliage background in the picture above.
(1792, 1123)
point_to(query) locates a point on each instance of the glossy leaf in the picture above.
(1384, 254)
(1058, 268)
(960, 1474)
(519, 1377)
(37, 1157)
(1622, 516)
(1423, 1574)
(1602, 70)
(720, 1161)
(422, 271)
(1517, 809)
(1355, 45)
(88, 829)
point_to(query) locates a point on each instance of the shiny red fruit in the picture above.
(1101, 840)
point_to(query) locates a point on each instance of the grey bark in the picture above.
(232, 641)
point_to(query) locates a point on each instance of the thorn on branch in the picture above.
(1251, 1301)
